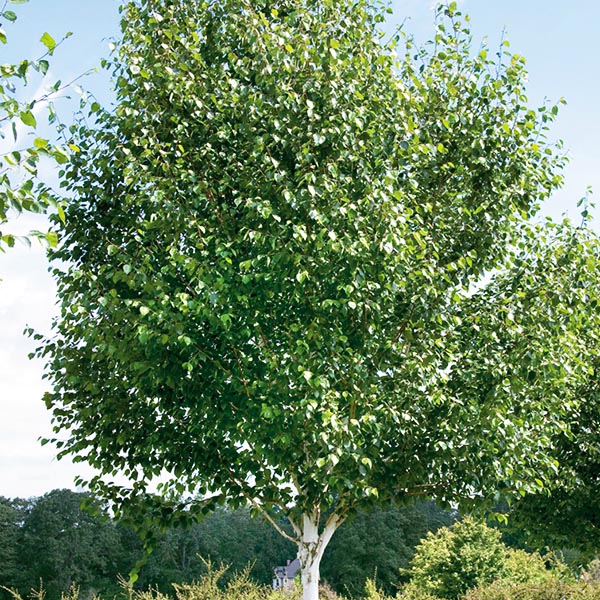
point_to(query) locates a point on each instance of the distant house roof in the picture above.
(293, 567)
(285, 574)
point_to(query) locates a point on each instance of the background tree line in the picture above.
(50, 539)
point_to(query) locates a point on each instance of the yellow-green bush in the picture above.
(523, 567)
(592, 572)
(470, 555)
(551, 589)
(372, 592)
(207, 587)
(412, 592)
(448, 563)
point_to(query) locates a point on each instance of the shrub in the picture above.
(471, 555)
(210, 586)
(551, 589)
(372, 592)
(592, 573)
(448, 563)
(411, 592)
(326, 592)
(523, 567)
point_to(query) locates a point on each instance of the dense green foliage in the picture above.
(453, 560)
(292, 229)
(229, 537)
(10, 523)
(211, 586)
(51, 539)
(551, 589)
(318, 248)
(377, 545)
(64, 545)
(470, 555)
(571, 515)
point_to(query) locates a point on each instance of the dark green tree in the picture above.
(62, 545)
(234, 538)
(377, 545)
(12, 515)
(228, 537)
(298, 271)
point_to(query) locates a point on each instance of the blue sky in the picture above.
(561, 41)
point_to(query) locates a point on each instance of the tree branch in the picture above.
(259, 506)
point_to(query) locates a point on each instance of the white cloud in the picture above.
(26, 298)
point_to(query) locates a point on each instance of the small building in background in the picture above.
(284, 576)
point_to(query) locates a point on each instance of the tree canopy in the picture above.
(570, 516)
(299, 270)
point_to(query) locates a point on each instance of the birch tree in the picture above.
(299, 271)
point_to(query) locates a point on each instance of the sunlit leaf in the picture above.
(48, 41)
(28, 118)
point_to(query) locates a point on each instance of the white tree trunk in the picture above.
(310, 581)
(310, 551)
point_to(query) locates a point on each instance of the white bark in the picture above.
(311, 547)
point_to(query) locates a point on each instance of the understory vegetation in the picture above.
(241, 587)
(50, 549)
(51, 539)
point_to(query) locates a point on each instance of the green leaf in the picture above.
(42, 66)
(52, 239)
(48, 41)
(28, 118)
(61, 213)
(60, 157)
(9, 15)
